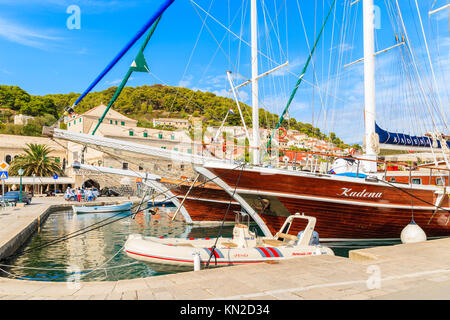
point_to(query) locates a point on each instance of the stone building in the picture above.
(177, 123)
(118, 126)
(12, 145)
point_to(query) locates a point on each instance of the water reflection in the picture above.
(102, 246)
(95, 248)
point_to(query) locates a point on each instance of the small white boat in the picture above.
(174, 254)
(102, 209)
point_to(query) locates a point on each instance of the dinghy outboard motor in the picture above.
(314, 239)
(243, 237)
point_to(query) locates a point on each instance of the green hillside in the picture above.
(141, 103)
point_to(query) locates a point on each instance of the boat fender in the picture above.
(412, 233)
(314, 239)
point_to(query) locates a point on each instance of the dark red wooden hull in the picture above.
(345, 209)
(205, 202)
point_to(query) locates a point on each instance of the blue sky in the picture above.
(40, 54)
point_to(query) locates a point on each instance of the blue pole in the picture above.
(125, 49)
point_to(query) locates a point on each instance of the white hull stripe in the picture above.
(208, 200)
(339, 201)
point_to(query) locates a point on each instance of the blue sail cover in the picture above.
(401, 139)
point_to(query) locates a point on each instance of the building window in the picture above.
(69, 123)
(140, 168)
(8, 159)
(125, 166)
(189, 150)
(440, 181)
(122, 123)
(116, 122)
(182, 167)
(169, 166)
(160, 135)
(80, 120)
(145, 134)
(110, 122)
(175, 149)
(416, 181)
(131, 133)
(172, 137)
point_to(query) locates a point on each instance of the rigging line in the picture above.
(217, 42)
(331, 54)
(184, 96)
(213, 248)
(128, 74)
(281, 80)
(212, 58)
(340, 56)
(193, 50)
(125, 49)
(243, 16)
(60, 269)
(313, 60)
(432, 6)
(443, 74)
(106, 219)
(264, 55)
(301, 77)
(73, 234)
(431, 65)
(113, 156)
(270, 51)
(272, 26)
(103, 264)
(415, 64)
(434, 103)
(413, 196)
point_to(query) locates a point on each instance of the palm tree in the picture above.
(36, 161)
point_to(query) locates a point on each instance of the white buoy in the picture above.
(412, 233)
(196, 261)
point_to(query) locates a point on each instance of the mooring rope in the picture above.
(213, 248)
(86, 229)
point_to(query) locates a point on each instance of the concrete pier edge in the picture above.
(408, 271)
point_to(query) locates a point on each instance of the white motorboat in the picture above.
(102, 209)
(174, 254)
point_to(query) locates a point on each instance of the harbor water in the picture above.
(97, 255)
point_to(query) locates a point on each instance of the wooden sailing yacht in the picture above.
(346, 207)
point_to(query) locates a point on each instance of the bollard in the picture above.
(196, 261)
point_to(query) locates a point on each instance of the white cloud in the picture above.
(186, 81)
(26, 36)
(117, 81)
(5, 71)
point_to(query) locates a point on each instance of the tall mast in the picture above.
(369, 82)
(255, 93)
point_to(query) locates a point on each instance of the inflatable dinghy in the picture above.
(175, 254)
